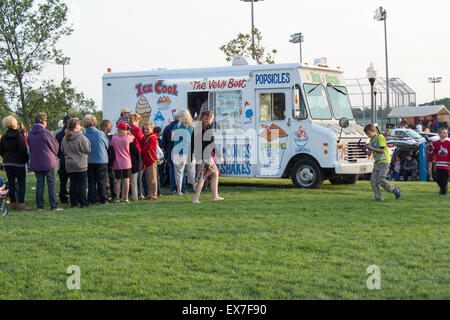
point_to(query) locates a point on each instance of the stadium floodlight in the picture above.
(298, 38)
(434, 80)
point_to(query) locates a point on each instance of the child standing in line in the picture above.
(149, 158)
(122, 162)
(442, 158)
(382, 159)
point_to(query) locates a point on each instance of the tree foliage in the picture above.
(242, 46)
(28, 36)
(444, 101)
(58, 100)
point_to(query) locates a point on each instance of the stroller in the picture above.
(3, 196)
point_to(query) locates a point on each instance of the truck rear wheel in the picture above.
(344, 179)
(306, 174)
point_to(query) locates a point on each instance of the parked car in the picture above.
(406, 133)
(432, 136)
(402, 148)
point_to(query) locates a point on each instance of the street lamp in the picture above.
(434, 80)
(298, 38)
(253, 26)
(372, 76)
(381, 15)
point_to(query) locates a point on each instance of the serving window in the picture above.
(228, 110)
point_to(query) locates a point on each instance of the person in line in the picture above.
(13, 150)
(125, 114)
(149, 158)
(161, 163)
(120, 144)
(43, 151)
(106, 127)
(97, 160)
(441, 157)
(63, 175)
(396, 168)
(409, 167)
(181, 148)
(60, 128)
(136, 174)
(167, 146)
(76, 148)
(382, 158)
(205, 164)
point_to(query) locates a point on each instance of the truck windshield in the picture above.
(339, 102)
(317, 101)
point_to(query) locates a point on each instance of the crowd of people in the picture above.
(139, 159)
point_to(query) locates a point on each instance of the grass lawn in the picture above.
(266, 241)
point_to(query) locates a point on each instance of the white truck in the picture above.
(271, 121)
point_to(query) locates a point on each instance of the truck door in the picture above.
(273, 114)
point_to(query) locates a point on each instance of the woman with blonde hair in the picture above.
(182, 133)
(207, 168)
(13, 149)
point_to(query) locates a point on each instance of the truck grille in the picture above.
(353, 152)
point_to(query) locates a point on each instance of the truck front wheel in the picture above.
(306, 174)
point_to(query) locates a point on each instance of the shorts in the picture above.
(122, 174)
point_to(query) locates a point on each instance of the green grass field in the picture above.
(268, 240)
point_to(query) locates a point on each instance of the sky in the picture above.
(137, 35)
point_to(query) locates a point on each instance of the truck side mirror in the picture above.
(344, 123)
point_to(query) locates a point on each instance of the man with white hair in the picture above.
(167, 146)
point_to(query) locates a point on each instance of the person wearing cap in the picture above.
(125, 114)
(122, 160)
(62, 173)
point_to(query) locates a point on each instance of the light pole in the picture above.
(434, 80)
(63, 61)
(253, 26)
(372, 76)
(298, 38)
(381, 15)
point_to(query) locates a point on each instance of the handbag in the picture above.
(159, 153)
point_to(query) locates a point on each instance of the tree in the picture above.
(60, 100)
(28, 36)
(242, 46)
(444, 101)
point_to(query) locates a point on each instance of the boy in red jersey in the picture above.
(441, 155)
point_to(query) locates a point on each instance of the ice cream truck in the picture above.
(271, 121)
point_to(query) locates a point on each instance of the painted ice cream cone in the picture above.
(144, 109)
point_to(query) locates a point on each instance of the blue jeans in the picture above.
(18, 173)
(96, 176)
(40, 188)
(395, 176)
(173, 184)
